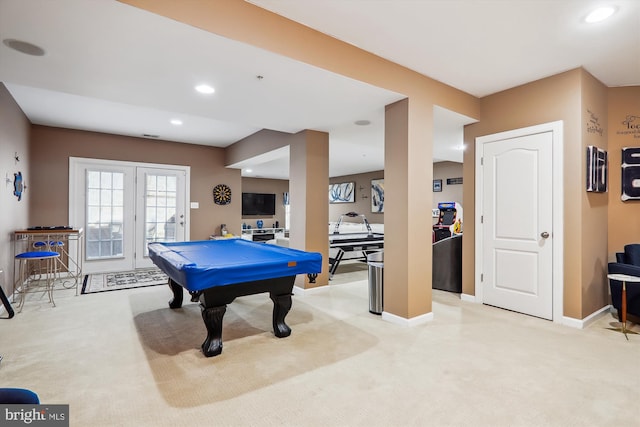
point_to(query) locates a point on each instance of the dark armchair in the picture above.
(18, 396)
(628, 262)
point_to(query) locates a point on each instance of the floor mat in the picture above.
(104, 282)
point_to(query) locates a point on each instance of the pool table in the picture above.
(215, 272)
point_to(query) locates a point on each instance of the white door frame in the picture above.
(558, 208)
(76, 162)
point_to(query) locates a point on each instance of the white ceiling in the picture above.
(483, 46)
(113, 68)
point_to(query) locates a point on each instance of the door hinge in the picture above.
(481, 219)
(481, 161)
(481, 277)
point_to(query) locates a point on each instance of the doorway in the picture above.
(122, 206)
(519, 223)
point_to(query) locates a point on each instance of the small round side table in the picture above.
(624, 278)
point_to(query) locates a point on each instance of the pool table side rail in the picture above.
(196, 278)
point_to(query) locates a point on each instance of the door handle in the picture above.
(544, 235)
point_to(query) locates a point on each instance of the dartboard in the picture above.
(221, 194)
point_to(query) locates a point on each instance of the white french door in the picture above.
(160, 209)
(122, 206)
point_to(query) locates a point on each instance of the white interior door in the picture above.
(517, 223)
(122, 206)
(160, 209)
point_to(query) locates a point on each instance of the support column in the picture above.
(309, 200)
(408, 182)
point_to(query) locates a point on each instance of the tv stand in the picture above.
(262, 234)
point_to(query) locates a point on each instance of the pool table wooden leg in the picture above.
(212, 316)
(281, 307)
(176, 301)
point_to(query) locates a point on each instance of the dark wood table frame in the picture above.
(213, 305)
(6, 303)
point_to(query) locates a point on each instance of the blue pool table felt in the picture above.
(199, 265)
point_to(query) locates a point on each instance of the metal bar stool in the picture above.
(58, 246)
(24, 273)
(40, 246)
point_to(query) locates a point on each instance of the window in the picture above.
(105, 214)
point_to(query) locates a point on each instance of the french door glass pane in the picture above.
(105, 214)
(160, 199)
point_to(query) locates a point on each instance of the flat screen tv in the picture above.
(258, 204)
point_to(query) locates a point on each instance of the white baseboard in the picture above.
(583, 323)
(414, 321)
(297, 290)
(468, 298)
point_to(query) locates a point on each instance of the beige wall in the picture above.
(263, 185)
(362, 204)
(49, 184)
(594, 212)
(309, 209)
(441, 170)
(14, 139)
(253, 145)
(623, 223)
(407, 259)
(555, 98)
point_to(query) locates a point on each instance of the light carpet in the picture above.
(104, 282)
(126, 359)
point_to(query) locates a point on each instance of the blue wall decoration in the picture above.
(342, 193)
(377, 195)
(18, 186)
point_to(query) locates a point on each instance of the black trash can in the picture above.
(375, 261)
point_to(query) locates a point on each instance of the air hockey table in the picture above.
(350, 242)
(215, 272)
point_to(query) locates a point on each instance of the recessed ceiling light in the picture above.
(362, 122)
(176, 122)
(600, 14)
(24, 47)
(206, 89)
(248, 170)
